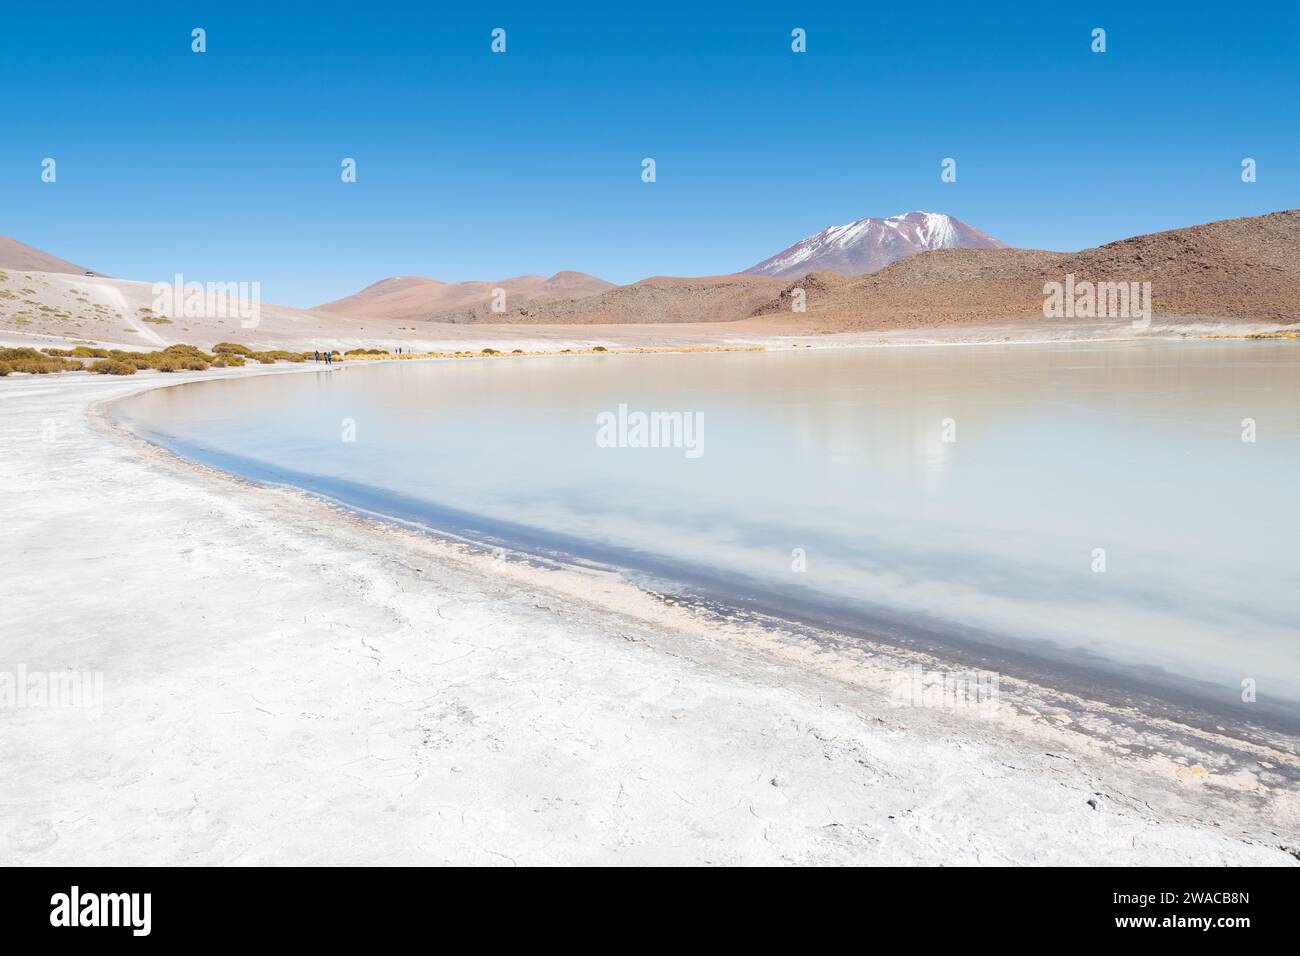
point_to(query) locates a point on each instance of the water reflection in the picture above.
(962, 484)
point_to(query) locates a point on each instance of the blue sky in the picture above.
(225, 165)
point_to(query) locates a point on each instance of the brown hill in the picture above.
(403, 297)
(1235, 268)
(23, 258)
(659, 299)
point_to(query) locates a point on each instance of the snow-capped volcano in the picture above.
(870, 244)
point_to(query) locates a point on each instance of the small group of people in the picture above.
(326, 357)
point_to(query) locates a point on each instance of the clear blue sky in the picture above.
(225, 165)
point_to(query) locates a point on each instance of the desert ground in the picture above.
(287, 682)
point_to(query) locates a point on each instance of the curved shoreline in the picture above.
(1159, 705)
(753, 700)
(1169, 697)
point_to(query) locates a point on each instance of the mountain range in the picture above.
(859, 248)
(855, 249)
(1247, 269)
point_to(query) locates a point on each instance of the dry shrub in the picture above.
(37, 363)
(111, 367)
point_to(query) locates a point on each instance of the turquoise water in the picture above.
(970, 490)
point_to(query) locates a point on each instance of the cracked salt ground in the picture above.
(328, 690)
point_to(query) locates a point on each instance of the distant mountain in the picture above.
(403, 297)
(1244, 269)
(870, 244)
(658, 299)
(23, 258)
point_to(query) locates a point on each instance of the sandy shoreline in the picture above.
(285, 682)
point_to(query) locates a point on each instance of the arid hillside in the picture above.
(1235, 268)
(403, 297)
(660, 299)
(38, 308)
(23, 258)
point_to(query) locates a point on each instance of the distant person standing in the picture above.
(317, 355)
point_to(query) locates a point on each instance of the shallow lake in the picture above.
(1131, 509)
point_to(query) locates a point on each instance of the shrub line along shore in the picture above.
(181, 357)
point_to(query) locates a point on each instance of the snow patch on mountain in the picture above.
(866, 245)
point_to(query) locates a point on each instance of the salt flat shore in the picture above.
(284, 682)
